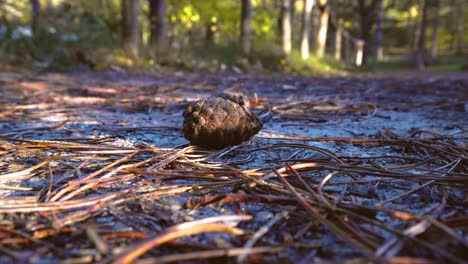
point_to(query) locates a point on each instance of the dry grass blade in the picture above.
(231, 252)
(317, 215)
(32, 207)
(12, 188)
(93, 235)
(26, 172)
(456, 162)
(186, 229)
(260, 232)
(16, 131)
(320, 189)
(57, 196)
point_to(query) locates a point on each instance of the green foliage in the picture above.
(443, 63)
(313, 65)
(94, 29)
(185, 15)
(264, 24)
(62, 32)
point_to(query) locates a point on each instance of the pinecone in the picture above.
(216, 123)
(236, 97)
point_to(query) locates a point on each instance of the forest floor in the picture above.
(94, 168)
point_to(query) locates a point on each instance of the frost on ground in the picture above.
(94, 167)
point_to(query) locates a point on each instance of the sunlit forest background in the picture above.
(303, 36)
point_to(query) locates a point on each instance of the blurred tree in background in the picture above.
(157, 21)
(241, 34)
(246, 26)
(130, 27)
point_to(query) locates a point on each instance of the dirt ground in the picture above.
(94, 168)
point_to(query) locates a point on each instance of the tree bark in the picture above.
(305, 30)
(417, 25)
(246, 26)
(130, 27)
(435, 29)
(210, 31)
(286, 26)
(347, 48)
(157, 17)
(48, 4)
(360, 44)
(321, 39)
(460, 25)
(367, 20)
(334, 13)
(378, 52)
(422, 37)
(35, 11)
(338, 41)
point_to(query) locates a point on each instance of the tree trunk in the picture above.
(130, 27)
(35, 11)
(210, 32)
(314, 30)
(460, 25)
(305, 30)
(417, 26)
(435, 29)
(367, 19)
(347, 48)
(321, 39)
(286, 26)
(410, 24)
(360, 44)
(378, 54)
(338, 41)
(334, 13)
(422, 37)
(246, 26)
(157, 17)
(48, 4)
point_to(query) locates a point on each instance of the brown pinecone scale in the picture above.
(236, 97)
(215, 123)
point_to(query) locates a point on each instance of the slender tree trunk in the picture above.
(211, 30)
(410, 25)
(305, 30)
(347, 48)
(130, 27)
(360, 44)
(417, 25)
(338, 41)
(334, 13)
(35, 11)
(246, 26)
(48, 4)
(365, 34)
(157, 17)
(460, 25)
(378, 54)
(314, 30)
(286, 26)
(101, 6)
(367, 20)
(435, 29)
(292, 4)
(422, 37)
(321, 39)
